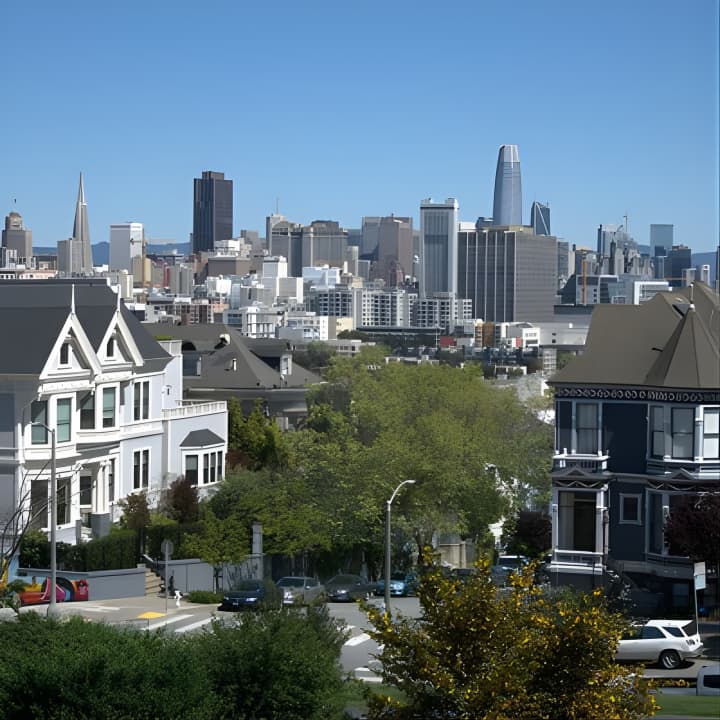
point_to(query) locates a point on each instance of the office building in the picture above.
(17, 237)
(540, 218)
(394, 250)
(324, 242)
(370, 235)
(438, 247)
(507, 205)
(212, 210)
(679, 258)
(661, 239)
(75, 254)
(509, 273)
(127, 241)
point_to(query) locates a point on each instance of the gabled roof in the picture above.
(671, 341)
(33, 313)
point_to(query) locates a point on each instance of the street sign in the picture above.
(167, 548)
(699, 576)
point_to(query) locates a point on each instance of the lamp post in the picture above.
(388, 505)
(52, 607)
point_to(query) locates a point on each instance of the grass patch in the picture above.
(358, 692)
(688, 705)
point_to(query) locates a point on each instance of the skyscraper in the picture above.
(126, 243)
(661, 236)
(212, 210)
(438, 247)
(507, 205)
(81, 232)
(16, 237)
(540, 218)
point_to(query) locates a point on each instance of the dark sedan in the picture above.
(251, 594)
(346, 588)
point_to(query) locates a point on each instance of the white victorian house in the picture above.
(76, 364)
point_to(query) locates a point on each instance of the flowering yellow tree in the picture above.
(524, 654)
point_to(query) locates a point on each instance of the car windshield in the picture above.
(291, 582)
(344, 580)
(249, 585)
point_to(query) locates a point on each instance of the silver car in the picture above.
(666, 642)
(298, 589)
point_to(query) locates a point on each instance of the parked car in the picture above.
(666, 642)
(708, 680)
(252, 594)
(300, 589)
(398, 586)
(65, 591)
(345, 588)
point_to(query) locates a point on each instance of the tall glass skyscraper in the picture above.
(507, 205)
(212, 210)
(438, 247)
(540, 218)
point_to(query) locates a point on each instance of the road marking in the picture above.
(96, 608)
(150, 615)
(169, 621)
(361, 638)
(195, 625)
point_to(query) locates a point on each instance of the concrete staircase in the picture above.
(153, 581)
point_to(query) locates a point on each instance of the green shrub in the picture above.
(203, 597)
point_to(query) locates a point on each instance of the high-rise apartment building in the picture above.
(540, 218)
(507, 204)
(126, 242)
(438, 247)
(17, 237)
(661, 239)
(212, 210)
(509, 273)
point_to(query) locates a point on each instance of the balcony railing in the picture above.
(591, 462)
(578, 557)
(193, 410)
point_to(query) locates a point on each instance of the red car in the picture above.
(65, 591)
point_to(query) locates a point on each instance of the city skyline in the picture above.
(364, 121)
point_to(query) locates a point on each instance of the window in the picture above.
(111, 480)
(110, 348)
(141, 462)
(85, 490)
(87, 412)
(657, 431)
(652, 633)
(38, 418)
(63, 420)
(65, 354)
(108, 407)
(630, 509)
(206, 469)
(587, 428)
(38, 504)
(63, 501)
(682, 432)
(141, 400)
(711, 434)
(191, 469)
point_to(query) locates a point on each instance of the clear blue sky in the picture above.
(345, 108)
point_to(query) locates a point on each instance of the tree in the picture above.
(525, 655)
(136, 516)
(180, 501)
(254, 441)
(528, 533)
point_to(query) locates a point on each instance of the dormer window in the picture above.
(110, 348)
(65, 353)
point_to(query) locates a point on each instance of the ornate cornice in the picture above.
(638, 394)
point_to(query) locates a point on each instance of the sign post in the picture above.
(167, 548)
(700, 583)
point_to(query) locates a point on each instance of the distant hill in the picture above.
(101, 250)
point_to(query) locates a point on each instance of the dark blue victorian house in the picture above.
(637, 430)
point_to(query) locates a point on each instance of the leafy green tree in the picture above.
(521, 656)
(528, 533)
(136, 516)
(180, 502)
(255, 441)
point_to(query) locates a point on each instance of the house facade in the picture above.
(86, 392)
(637, 432)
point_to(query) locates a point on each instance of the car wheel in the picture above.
(670, 659)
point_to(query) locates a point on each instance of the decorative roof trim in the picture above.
(638, 394)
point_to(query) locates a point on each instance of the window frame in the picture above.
(87, 411)
(677, 434)
(65, 402)
(657, 434)
(625, 520)
(141, 469)
(106, 391)
(65, 357)
(192, 474)
(39, 422)
(587, 430)
(141, 400)
(713, 436)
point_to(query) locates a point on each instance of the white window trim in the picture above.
(706, 434)
(638, 520)
(146, 486)
(201, 454)
(54, 419)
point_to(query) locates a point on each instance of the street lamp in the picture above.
(387, 543)
(52, 607)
